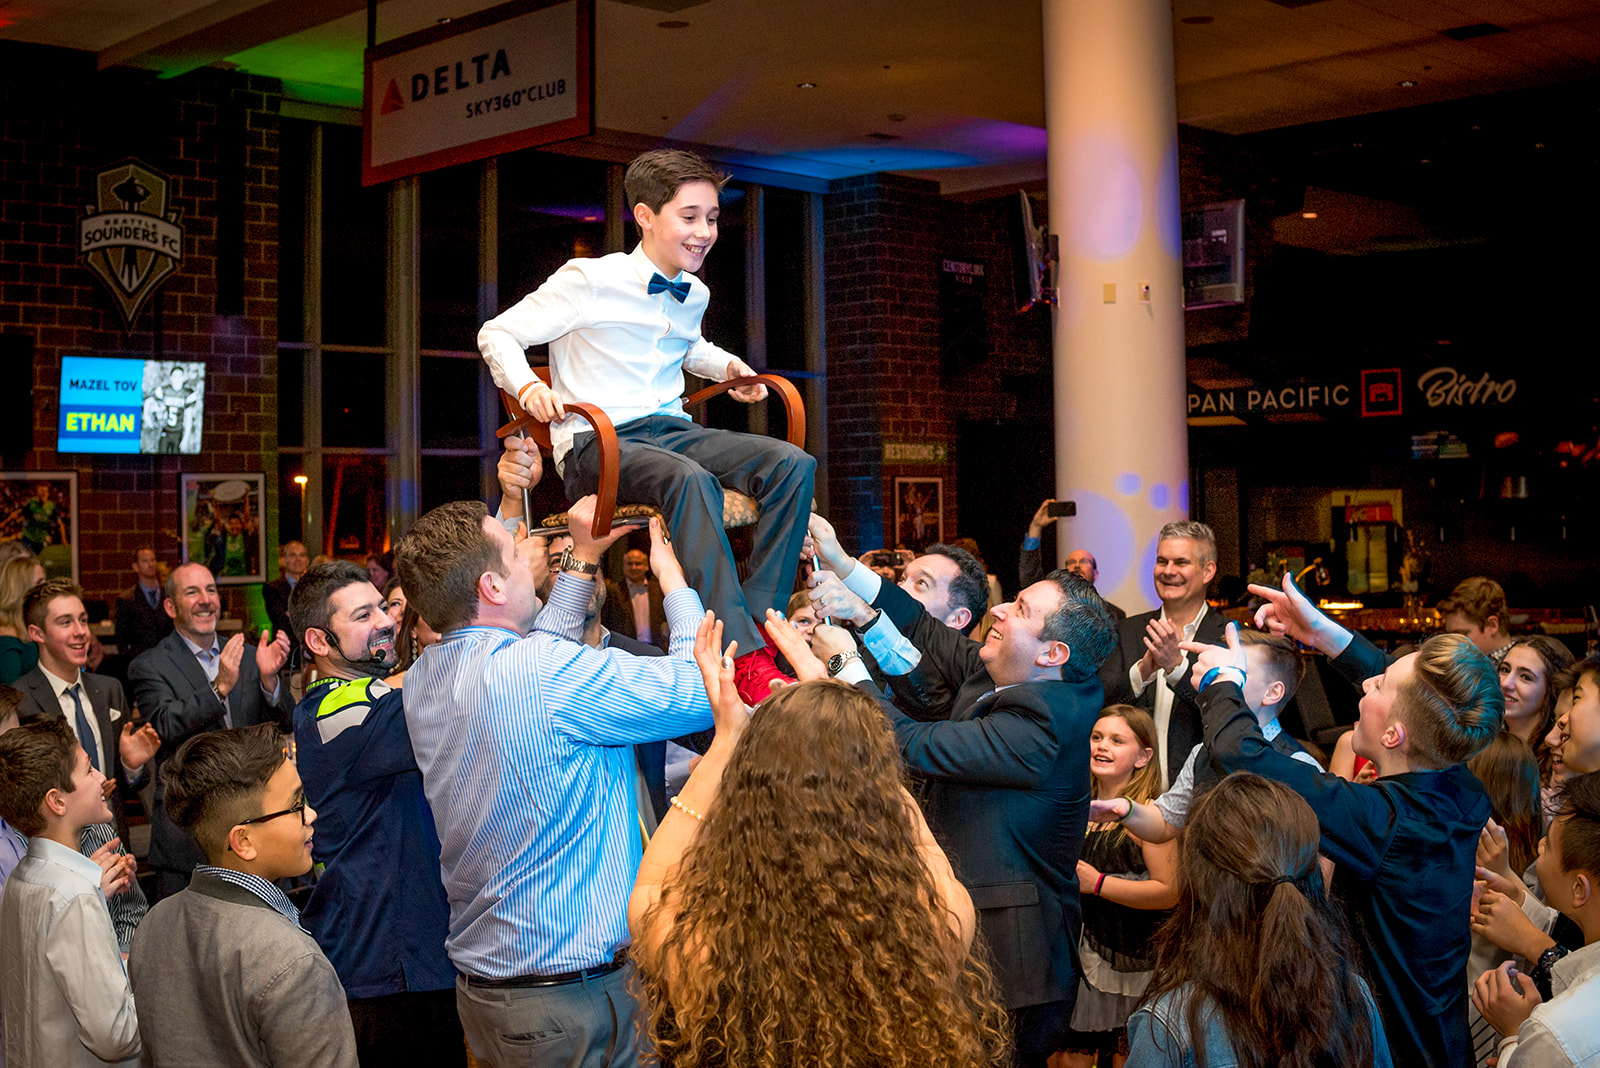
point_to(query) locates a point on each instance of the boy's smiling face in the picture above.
(678, 237)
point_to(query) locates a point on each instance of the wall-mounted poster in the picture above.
(40, 510)
(918, 512)
(222, 525)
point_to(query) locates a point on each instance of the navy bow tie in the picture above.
(658, 284)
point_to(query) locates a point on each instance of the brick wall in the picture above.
(885, 237)
(62, 121)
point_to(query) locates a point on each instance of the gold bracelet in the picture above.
(680, 805)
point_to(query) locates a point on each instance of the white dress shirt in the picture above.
(67, 998)
(69, 711)
(612, 344)
(1163, 709)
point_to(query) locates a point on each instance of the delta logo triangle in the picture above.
(391, 99)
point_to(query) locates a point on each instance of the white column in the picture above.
(1121, 435)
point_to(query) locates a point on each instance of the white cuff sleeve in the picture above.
(863, 582)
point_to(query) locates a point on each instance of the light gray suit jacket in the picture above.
(221, 977)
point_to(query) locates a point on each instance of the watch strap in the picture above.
(570, 562)
(837, 661)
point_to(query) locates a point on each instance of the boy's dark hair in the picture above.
(1568, 677)
(1083, 622)
(216, 780)
(1478, 598)
(1579, 804)
(1453, 705)
(655, 177)
(1282, 659)
(36, 603)
(969, 589)
(440, 559)
(310, 603)
(35, 758)
(11, 699)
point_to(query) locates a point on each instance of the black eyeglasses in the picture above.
(299, 806)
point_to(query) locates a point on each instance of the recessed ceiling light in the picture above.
(673, 24)
(1198, 20)
(443, 20)
(1408, 84)
(806, 85)
(1427, 161)
(1308, 215)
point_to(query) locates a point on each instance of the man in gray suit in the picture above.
(190, 683)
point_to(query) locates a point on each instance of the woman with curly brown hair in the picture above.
(793, 909)
(1254, 968)
(1527, 672)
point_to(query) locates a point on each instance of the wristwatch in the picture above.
(837, 661)
(572, 563)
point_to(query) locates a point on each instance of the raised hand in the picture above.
(1162, 642)
(579, 519)
(228, 664)
(728, 711)
(1230, 657)
(520, 468)
(1041, 518)
(792, 644)
(137, 745)
(827, 641)
(826, 541)
(271, 656)
(664, 563)
(1288, 611)
(832, 599)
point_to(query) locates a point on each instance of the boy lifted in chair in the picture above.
(622, 329)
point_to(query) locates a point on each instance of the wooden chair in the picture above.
(737, 509)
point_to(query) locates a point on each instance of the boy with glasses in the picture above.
(228, 974)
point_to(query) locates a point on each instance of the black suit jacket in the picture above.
(1183, 729)
(1008, 799)
(109, 707)
(172, 692)
(138, 625)
(625, 623)
(275, 596)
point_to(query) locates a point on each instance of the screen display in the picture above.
(130, 406)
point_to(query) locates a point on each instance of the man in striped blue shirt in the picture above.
(524, 742)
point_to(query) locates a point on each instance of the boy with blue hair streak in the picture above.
(622, 329)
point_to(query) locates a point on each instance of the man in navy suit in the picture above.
(190, 683)
(141, 622)
(1007, 773)
(94, 706)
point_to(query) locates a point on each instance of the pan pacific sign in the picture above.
(512, 77)
(130, 236)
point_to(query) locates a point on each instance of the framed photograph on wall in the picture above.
(918, 512)
(40, 510)
(222, 525)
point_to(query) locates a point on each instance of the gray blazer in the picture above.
(171, 689)
(221, 977)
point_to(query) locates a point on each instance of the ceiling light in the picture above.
(1408, 84)
(443, 21)
(1308, 215)
(806, 85)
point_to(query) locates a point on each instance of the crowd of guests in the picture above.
(924, 848)
(478, 797)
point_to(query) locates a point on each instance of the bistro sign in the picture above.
(1369, 393)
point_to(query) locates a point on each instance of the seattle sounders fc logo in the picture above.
(130, 238)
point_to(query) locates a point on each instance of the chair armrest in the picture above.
(605, 435)
(794, 409)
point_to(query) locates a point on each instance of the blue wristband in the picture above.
(1211, 676)
(1029, 544)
